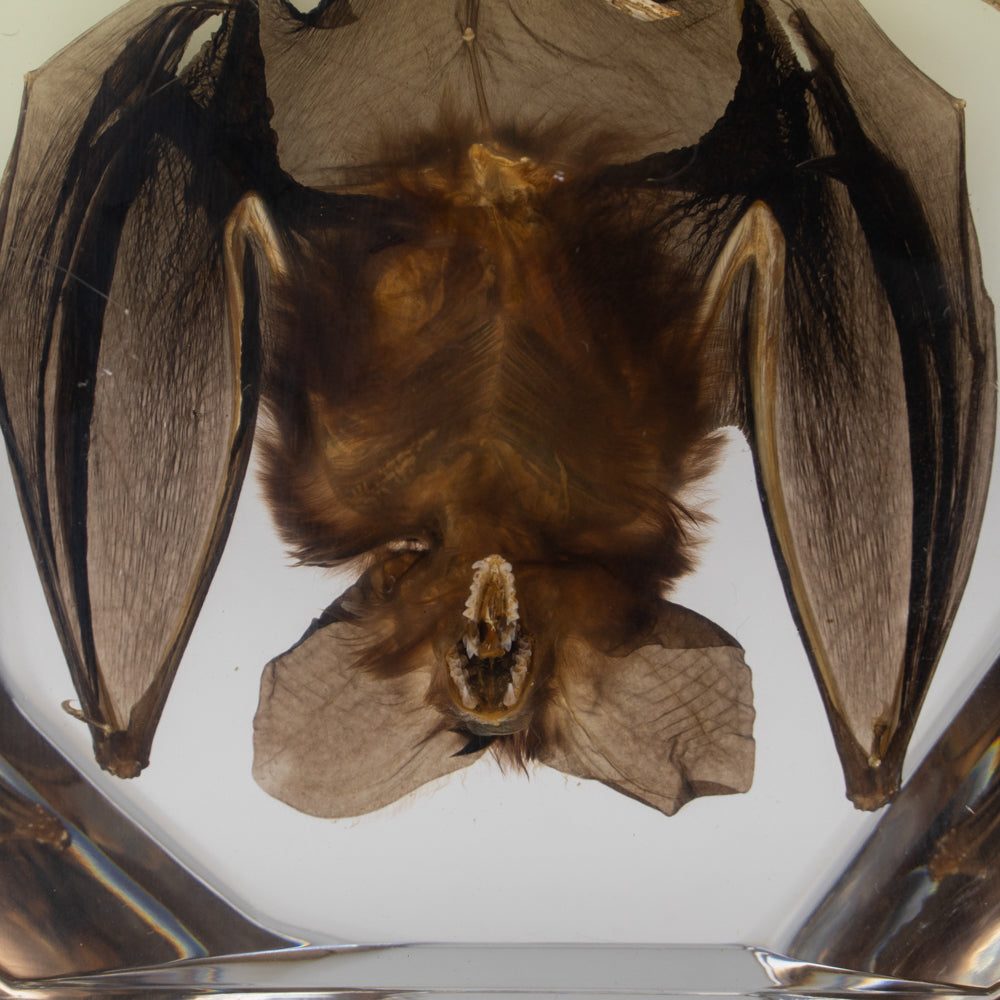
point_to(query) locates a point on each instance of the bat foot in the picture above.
(871, 785)
(119, 754)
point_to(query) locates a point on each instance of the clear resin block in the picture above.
(546, 868)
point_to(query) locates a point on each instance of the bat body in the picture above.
(523, 402)
(491, 349)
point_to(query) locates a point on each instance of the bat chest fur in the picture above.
(517, 441)
(499, 368)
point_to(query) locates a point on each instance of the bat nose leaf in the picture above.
(663, 718)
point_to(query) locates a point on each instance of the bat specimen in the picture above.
(494, 274)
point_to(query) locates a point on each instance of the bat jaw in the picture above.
(489, 668)
(490, 693)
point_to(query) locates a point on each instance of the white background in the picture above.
(482, 856)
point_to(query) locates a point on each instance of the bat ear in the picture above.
(664, 722)
(334, 739)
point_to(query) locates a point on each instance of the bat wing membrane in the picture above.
(906, 187)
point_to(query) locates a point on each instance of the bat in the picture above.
(486, 300)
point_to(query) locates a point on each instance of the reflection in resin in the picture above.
(496, 336)
(922, 898)
(467, 971)
(918, 904)
(83, 890)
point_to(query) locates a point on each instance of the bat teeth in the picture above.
(492, 596)
(519, 671)
(476, 681)
(491, 609)
(456, 668)
(510, 698)
(506, 635)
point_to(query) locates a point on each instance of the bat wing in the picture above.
(127, 403)
(863, 363)
(915, 372)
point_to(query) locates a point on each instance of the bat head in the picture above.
(412, 675)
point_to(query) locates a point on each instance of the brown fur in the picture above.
(520, 376)
(517, 371)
